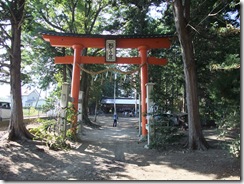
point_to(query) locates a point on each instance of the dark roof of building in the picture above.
(52, 33)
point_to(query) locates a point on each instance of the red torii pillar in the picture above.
(144, 80)
(78, 42)
(75, 83)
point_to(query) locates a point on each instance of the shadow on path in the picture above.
(113, 153)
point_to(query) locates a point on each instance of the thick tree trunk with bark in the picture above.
(17, 129)
(85, 87)
(181, 15)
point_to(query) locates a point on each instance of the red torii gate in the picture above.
(80, 41)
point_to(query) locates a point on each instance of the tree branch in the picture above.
(5, 32)
(95, 18)
(22, 10)
(50, 23)
(12, 13)
(214, 14)
(5, 65)
(3, 81)
(7, 10)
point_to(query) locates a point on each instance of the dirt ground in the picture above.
(114, 153)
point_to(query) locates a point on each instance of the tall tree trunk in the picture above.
(95, 119)
(17, 129)
(181, 15)
(85, 85)
(184, 99)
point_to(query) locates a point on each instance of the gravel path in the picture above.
(113, 153)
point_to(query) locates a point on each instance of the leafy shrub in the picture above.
(164, 135)
(235, 147)
(47, 132)
(229, 126)
(70, 134)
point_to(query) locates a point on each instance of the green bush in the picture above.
(235, 147)
(47, 132)
(229, 126)
(164, 135)
(69, 134)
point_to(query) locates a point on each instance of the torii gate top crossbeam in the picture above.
(98, 41)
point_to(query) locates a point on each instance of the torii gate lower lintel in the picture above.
(80, 41)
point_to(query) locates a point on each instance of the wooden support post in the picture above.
(75, 85)
(144, 80)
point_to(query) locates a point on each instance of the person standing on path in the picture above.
(115, 120)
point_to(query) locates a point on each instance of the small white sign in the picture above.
(110, 50)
